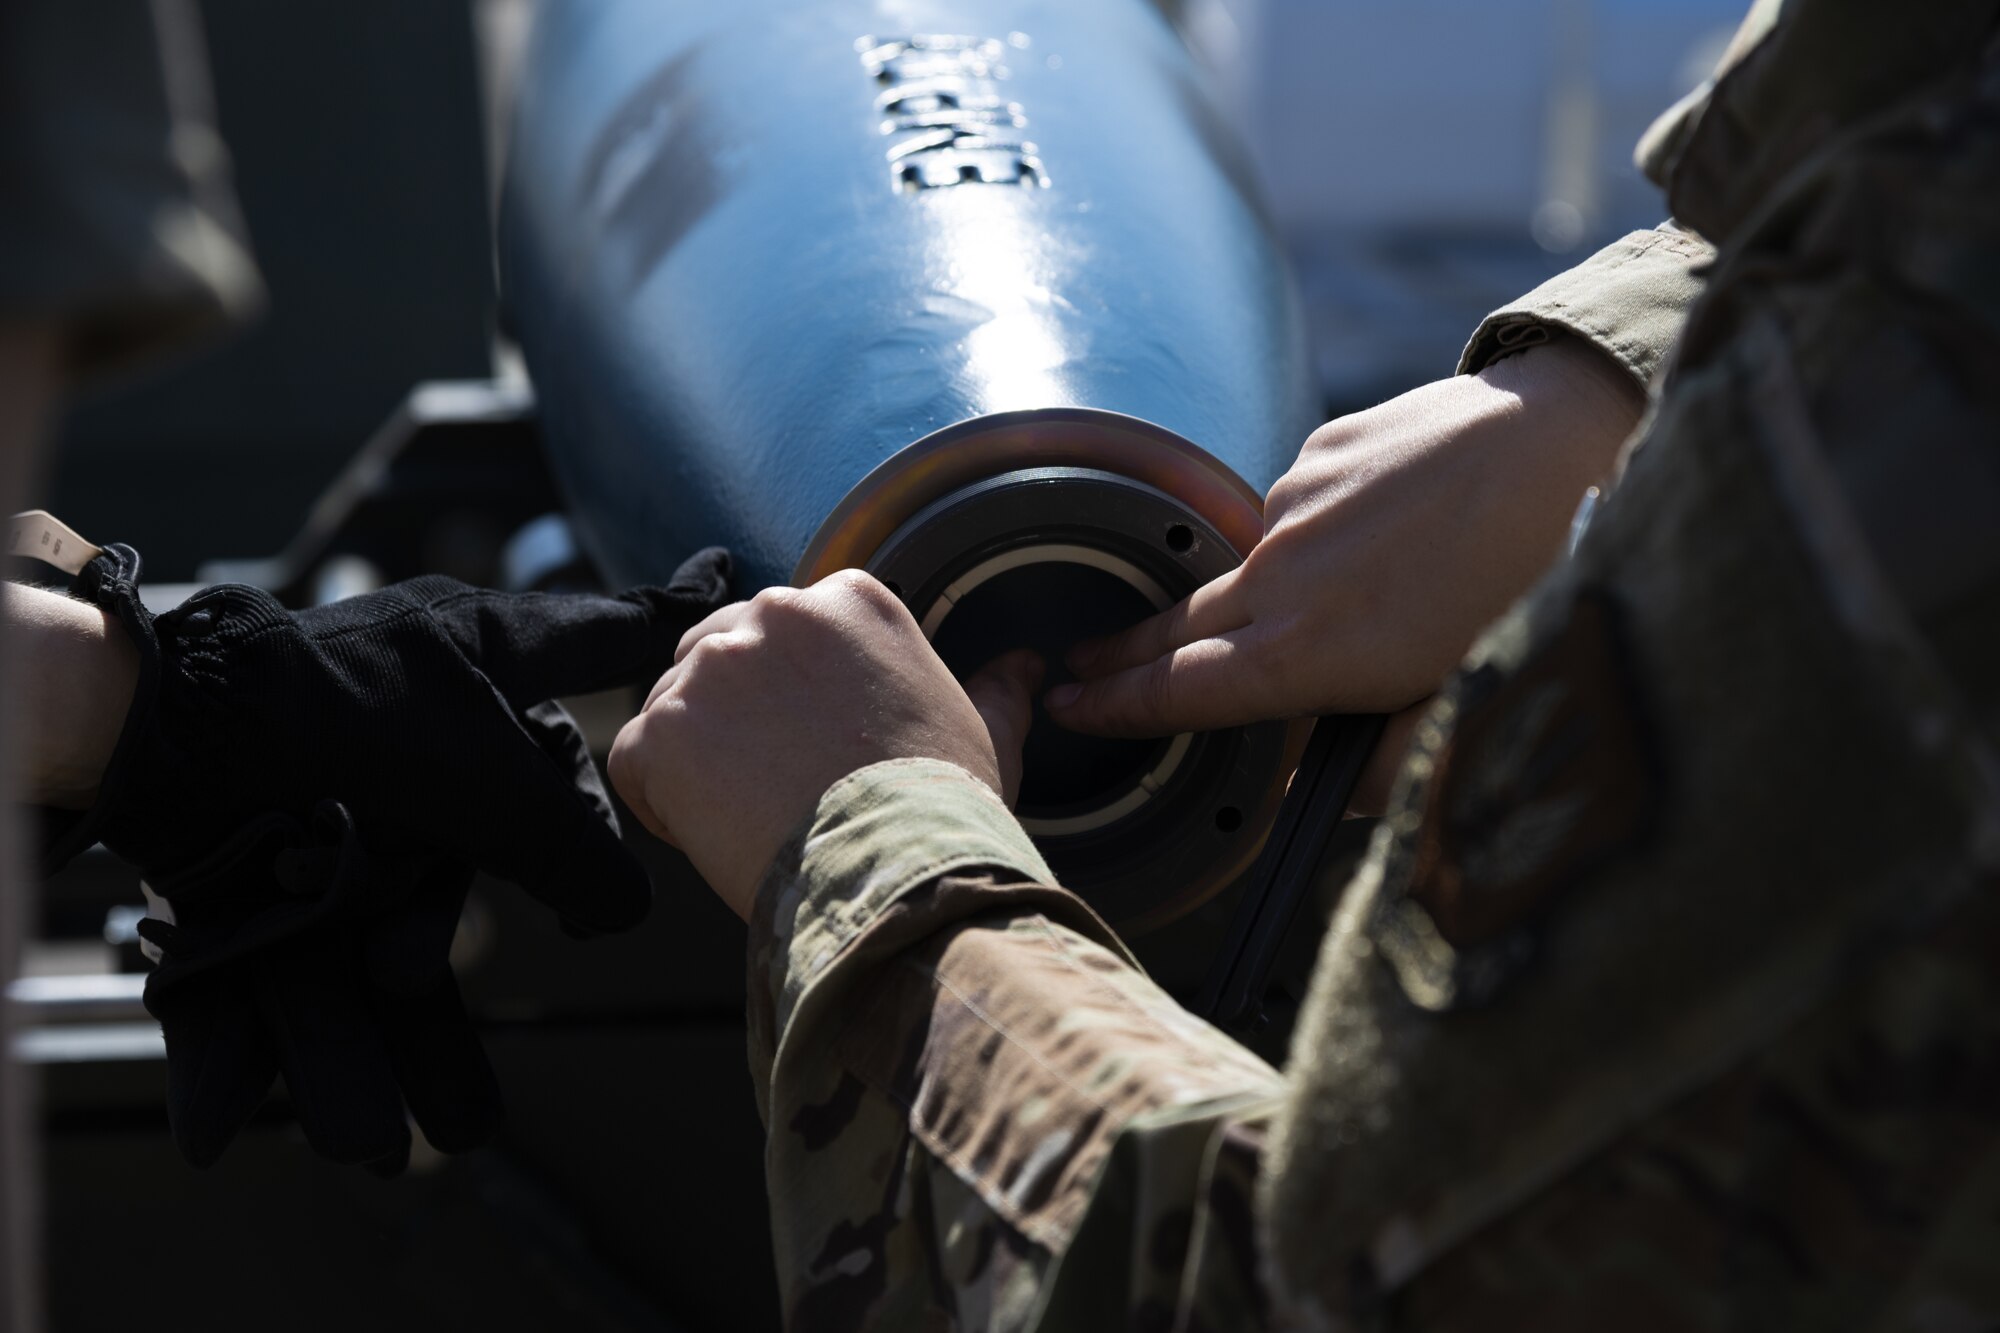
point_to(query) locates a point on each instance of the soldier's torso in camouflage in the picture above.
(1667, 997)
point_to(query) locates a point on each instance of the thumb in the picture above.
(1004, 693)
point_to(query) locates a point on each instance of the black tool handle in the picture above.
(1283, 875)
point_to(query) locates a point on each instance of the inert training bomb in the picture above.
(973, 295)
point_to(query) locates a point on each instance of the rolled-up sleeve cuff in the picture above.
(1630, 299)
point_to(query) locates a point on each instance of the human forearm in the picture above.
(1007, 1105)
(75, 671)
(927, 1004)
(945, 1044)
(860, 880)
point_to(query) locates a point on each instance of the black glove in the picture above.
(342, 985)
(311, 791)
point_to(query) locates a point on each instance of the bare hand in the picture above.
(1398, 534)
(771, 701)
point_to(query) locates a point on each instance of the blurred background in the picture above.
(1423, 162)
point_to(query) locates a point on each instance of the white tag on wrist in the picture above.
(47, 538)
(159, 909)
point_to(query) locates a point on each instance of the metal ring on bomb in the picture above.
(1151, 781)
(1037, 557)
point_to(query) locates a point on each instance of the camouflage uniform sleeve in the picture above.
(1629, 300)
(950, 1052)
(1666, 996)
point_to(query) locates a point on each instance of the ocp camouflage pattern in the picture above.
(1666, 997)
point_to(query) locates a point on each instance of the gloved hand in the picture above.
(340, 982)
(396, 732)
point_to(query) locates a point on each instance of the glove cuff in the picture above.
(111, 583)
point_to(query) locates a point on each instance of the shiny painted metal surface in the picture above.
(839, 283)
(754, 250)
